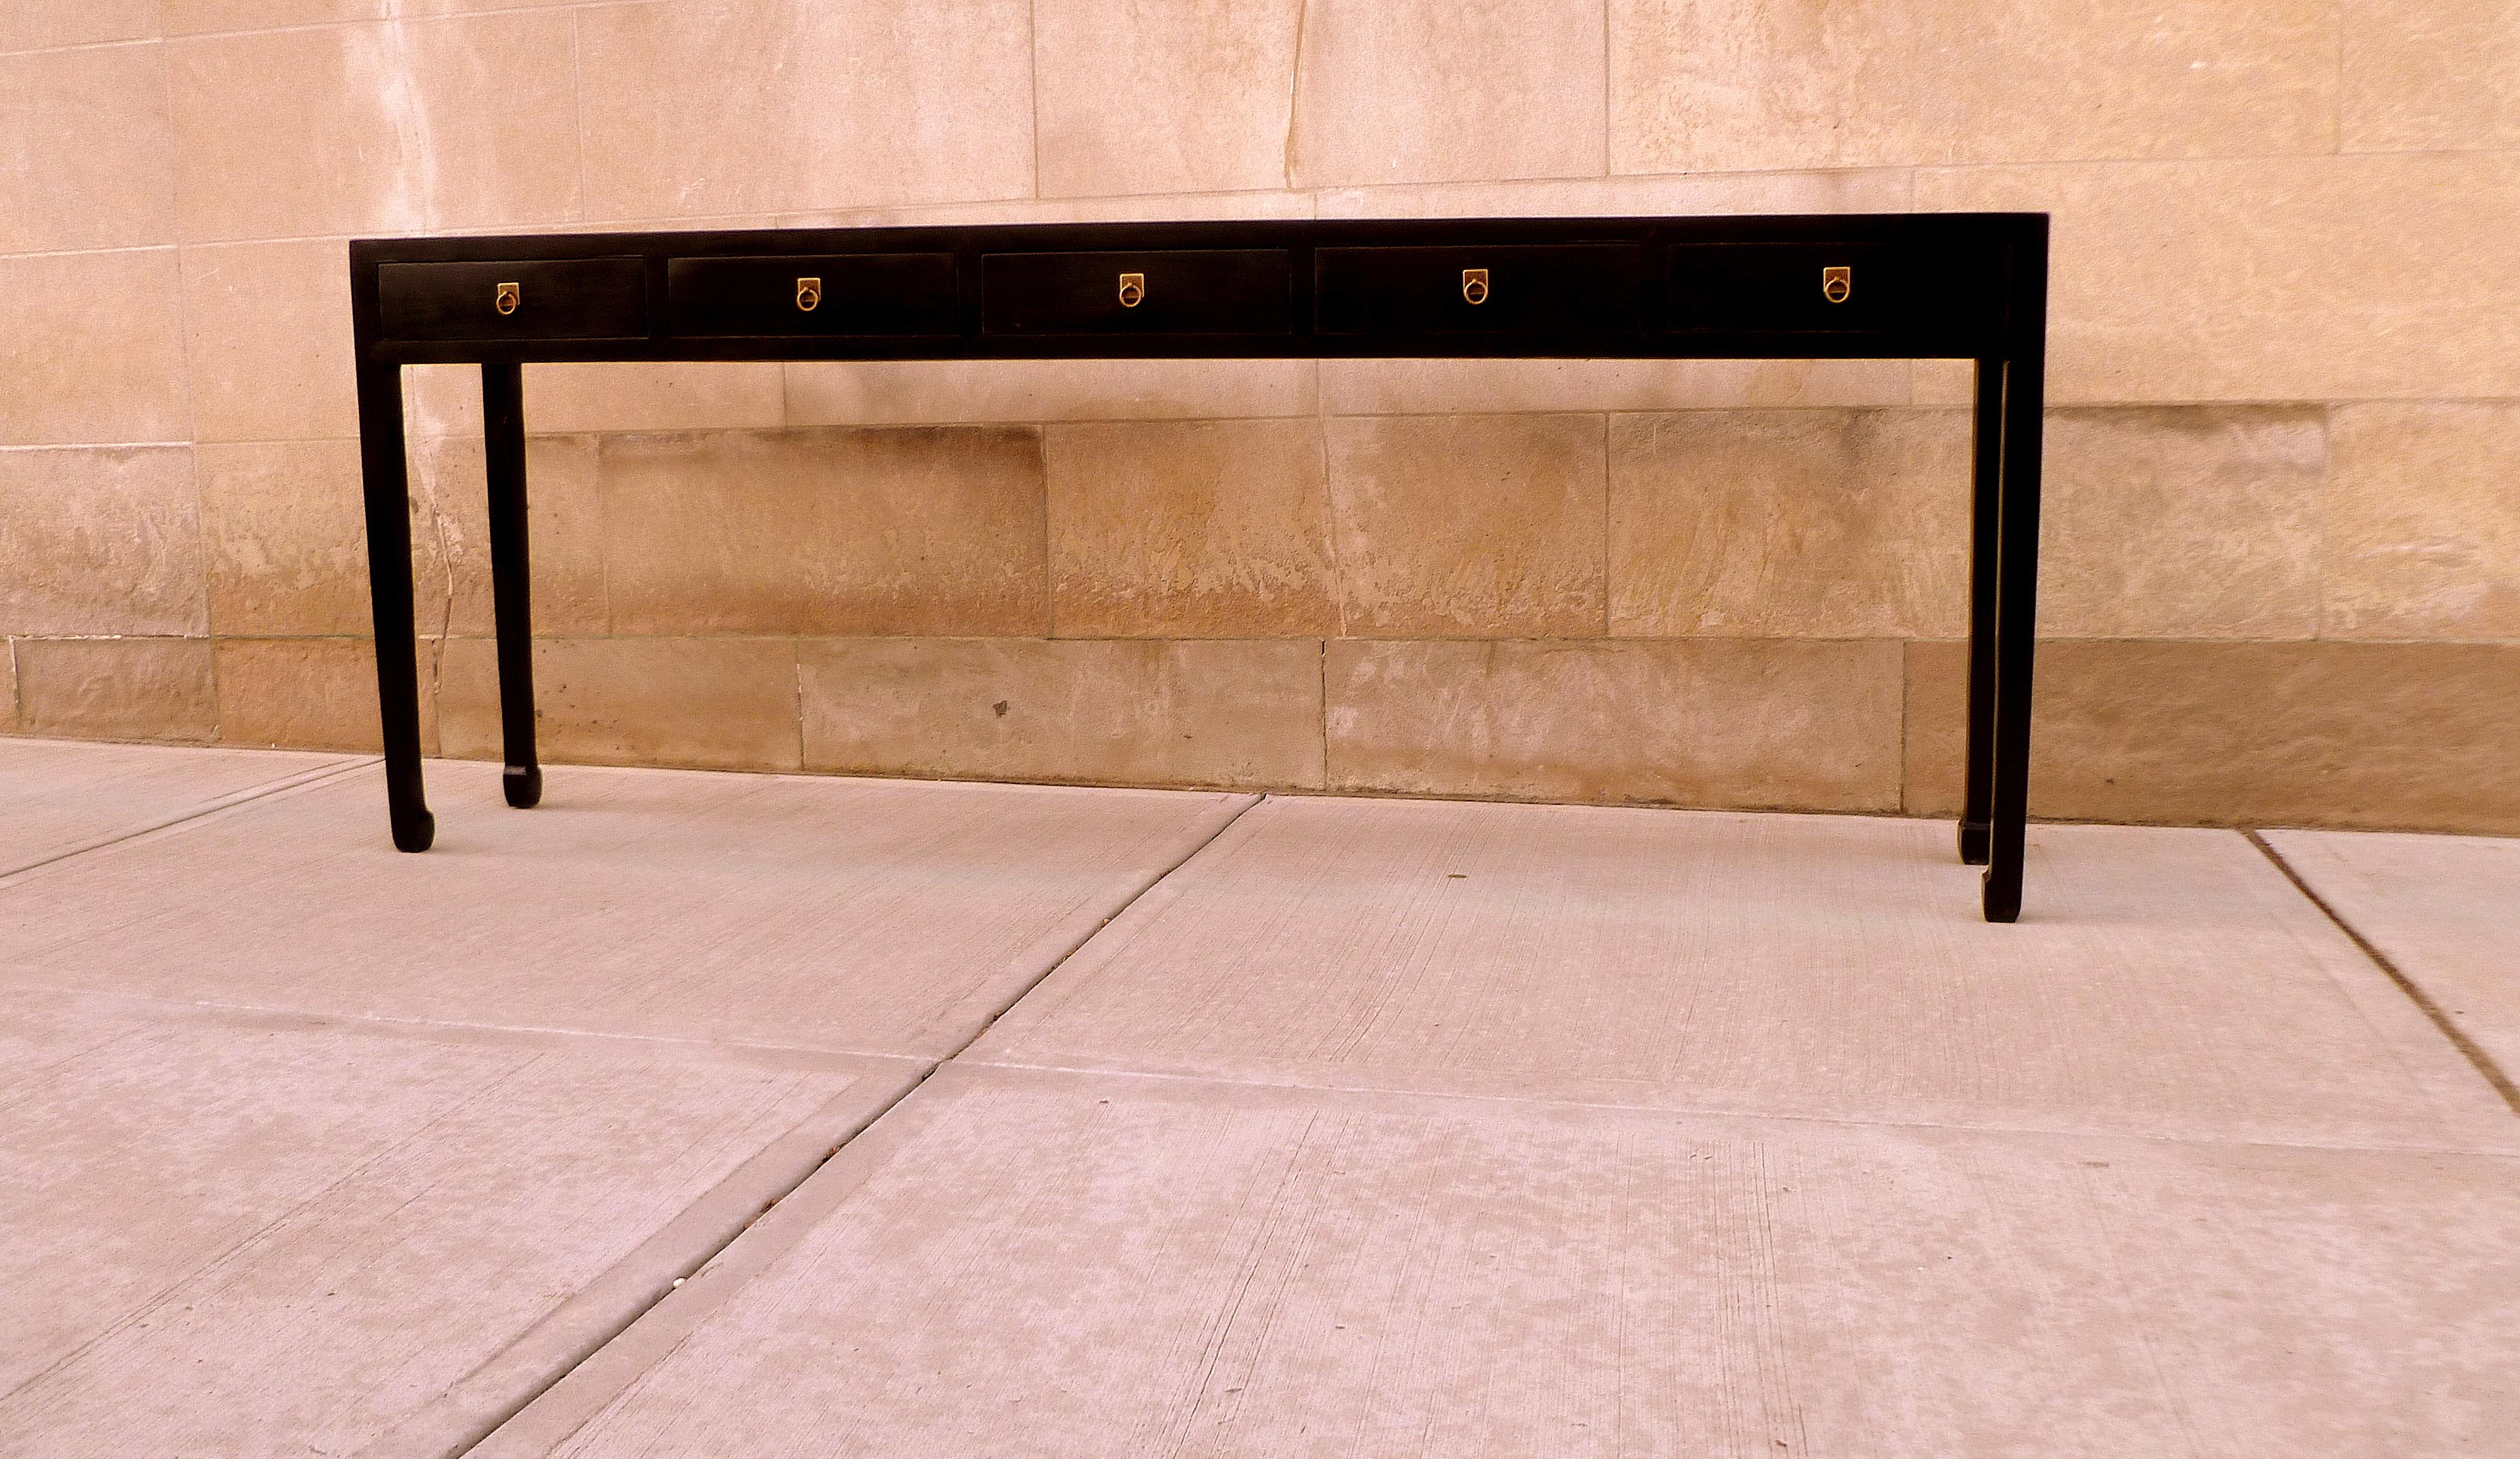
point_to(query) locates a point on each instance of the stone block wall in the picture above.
(2283, 527)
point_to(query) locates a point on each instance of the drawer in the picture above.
(830, 293)
(574, 299)
(1176, 291)
(1830, 287)
(1531, 289)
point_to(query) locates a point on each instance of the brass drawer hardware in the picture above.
(512, 299)
(1162, 292)
(1474, 285)
(1835, 283)
(809, 292)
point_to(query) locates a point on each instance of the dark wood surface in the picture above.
(1959, 285)
(1923, 286)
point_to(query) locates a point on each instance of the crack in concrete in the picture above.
(2450, 1030)
(483, 1432)
(1294, 90)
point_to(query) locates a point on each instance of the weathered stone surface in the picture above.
(936, 531)
(191, 16)
(2246, 734)
(1423, 91)
(2422, 75)
(450, 535)
(871, 106)
(1190, 530)
(1185, 97)
(1222, 713)
(1820, 524)
(310, 692)
(684, 395)
(1470, 528)
(709, 703)
(91, 151)
(116, 688)
(286, 534)
(1153, 207)
(91, 350)
(386, 127)
(1845, 190)
(1711, 85)
(2421, 521)
(105, 539)
(1718, 722)
(2181, 523)
(1496, 387)
(268, 329)
(31, 27)
(2308, 278)
(945, 392)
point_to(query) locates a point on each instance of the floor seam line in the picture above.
(869, 1122)
(24, 978)
(466, 1445)
(1713, 1111)
(229, 801)
(1061, 961)
(2467, 1047)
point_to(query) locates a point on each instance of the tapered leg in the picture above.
(1986, 473)
(384, 474)
(2016, 637)
(503, 415)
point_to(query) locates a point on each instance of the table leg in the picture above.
(1986, 472)
(2016, 626)
(503, 417)
(384, 474)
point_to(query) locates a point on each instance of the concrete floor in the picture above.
(1177, 1122)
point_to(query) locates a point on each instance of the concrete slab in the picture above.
(2164, 981)
(2444, 910)
(888, 917)
(258, 1236)
(58, 797)
(1025, 1263)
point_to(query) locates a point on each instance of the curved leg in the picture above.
(384, 473)
(503, 415)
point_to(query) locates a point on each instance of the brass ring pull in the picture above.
(1132, 290)
(506, 299)
(1835, 283)
(809, 294)
(1474, 285)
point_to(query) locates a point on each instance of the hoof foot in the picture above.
(415, 831)
(523, 785)
(2002, 902)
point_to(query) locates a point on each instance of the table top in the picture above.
(1821, 285)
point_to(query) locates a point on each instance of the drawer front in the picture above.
(1182, 292)
(833, 293)
(1829, 287)
(1528, 289)
(576, 299)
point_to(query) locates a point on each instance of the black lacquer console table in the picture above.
(1959, 285)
